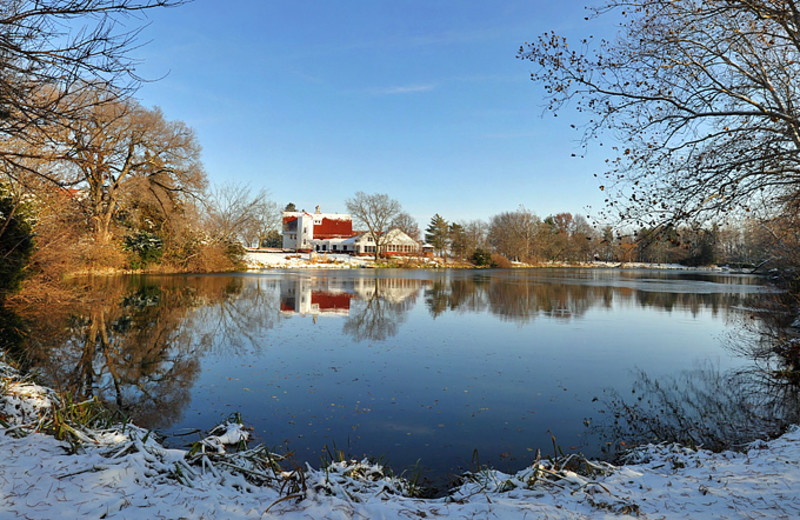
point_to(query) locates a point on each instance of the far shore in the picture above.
(258, 261)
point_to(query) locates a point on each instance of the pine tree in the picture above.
(458, 240)
(437, 234)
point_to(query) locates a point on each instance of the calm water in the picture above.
(428, 366)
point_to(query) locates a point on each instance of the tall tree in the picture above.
(475, 236)
(235, 212)
(458, 240)
(407, 224)
(376, 212)
(704, 95)
(114, 146)
(437, 234)
(513, 234)
(567, 237)
(608, 249)
(51, 49)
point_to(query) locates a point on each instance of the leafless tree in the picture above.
(513, 233)
(266, 223)
(51, 49)
(703, 95)
(376, 212)
(235, 212)
(116, 146)
(407, 224)
(476, 235)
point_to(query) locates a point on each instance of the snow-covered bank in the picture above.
(267, 260)
(257, 260)
(124, 473)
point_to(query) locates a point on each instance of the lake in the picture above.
(436, 370)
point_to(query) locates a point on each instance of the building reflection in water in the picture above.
(327, 296)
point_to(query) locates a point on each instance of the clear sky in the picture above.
(423, 100)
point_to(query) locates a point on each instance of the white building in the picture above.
(302, 229)
(395, 243)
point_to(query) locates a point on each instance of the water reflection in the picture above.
(406, 364)
(135, 342)
(522, 297)
(713, 408)
(374, 308)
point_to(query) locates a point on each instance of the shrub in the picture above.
(500, 261)
(99, 256)
(16, 241)
(481, 257)
(145, 247)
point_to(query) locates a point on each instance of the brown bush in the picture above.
(500, 261)
(100, 257)
(209, 258)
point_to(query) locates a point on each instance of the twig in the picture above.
(287, 497)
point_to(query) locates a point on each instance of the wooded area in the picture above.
(89, 178)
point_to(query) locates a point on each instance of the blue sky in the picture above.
(422, 100)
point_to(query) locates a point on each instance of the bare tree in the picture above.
(114, 147)
(513, 233)
(235, 212)
(375, 211)
(703, 94)
(407, 224)
(266, 223)
(473, 236)
(51, 49)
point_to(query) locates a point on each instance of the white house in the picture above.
(301, 230)
(395, 243)
(333, 233)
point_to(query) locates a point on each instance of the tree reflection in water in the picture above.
(519, 299)
(385, 303)
(712, 408)
(136, 342)
(374, 308)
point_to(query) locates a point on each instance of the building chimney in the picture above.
(317, 211)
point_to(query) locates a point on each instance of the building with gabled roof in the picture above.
(333, 233)
(301, 229)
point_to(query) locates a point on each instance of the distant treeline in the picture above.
(566, 238)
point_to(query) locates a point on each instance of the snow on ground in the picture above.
(123, 473)
(267, 260)
(256, 260)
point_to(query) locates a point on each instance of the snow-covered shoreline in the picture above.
(122, 472)
(258, 260)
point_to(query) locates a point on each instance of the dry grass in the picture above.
(209, 258)
(500, 261)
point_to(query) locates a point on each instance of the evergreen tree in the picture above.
(458, 240)
(437, 234)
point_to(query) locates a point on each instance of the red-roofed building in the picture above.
(301, 228)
